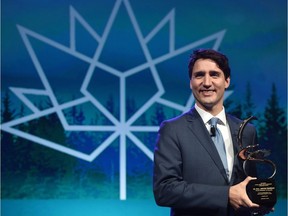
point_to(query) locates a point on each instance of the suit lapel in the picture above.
(198, 128)
(234, 128)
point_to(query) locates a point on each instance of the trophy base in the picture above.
(262, 192)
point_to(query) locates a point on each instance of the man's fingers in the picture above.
(248, 202)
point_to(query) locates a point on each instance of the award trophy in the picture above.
(262, 190)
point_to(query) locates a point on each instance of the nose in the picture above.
(207, 81)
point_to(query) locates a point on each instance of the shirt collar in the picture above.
(206, 116)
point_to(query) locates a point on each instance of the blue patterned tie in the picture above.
(219, 142)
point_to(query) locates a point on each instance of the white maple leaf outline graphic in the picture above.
(122, 128)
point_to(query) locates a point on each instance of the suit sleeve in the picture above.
(169, 187)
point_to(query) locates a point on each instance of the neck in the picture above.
(214, 110)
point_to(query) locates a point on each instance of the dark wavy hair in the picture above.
(220, 59)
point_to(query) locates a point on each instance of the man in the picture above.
(189, 175)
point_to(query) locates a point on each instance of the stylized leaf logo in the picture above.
(121, 126)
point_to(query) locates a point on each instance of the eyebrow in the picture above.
(211, 71)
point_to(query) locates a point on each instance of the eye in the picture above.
(198, 75)
(215, 74)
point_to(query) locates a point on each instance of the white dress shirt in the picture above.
(225, 131)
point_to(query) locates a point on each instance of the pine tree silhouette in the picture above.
(159, 115)
(7, 145)
(273, 135)
(233, 108)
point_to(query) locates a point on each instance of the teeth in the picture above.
(207, 92)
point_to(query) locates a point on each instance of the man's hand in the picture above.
(238, 197)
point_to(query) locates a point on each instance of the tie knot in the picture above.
(214, 121)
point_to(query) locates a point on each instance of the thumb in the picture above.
(248, 179)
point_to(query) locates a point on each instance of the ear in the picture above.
(191, 84)
(227, 82)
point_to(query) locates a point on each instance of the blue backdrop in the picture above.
(85, 85)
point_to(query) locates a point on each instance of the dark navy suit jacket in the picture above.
(188, 173)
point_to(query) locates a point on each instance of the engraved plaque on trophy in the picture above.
(262, 190)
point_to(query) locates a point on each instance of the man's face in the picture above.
(208, 85)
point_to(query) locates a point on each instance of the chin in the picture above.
(208, 103)
(206, 106)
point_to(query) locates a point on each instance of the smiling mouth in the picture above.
(204, 90)
(207, 92)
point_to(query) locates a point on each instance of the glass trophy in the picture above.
(262, 190)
